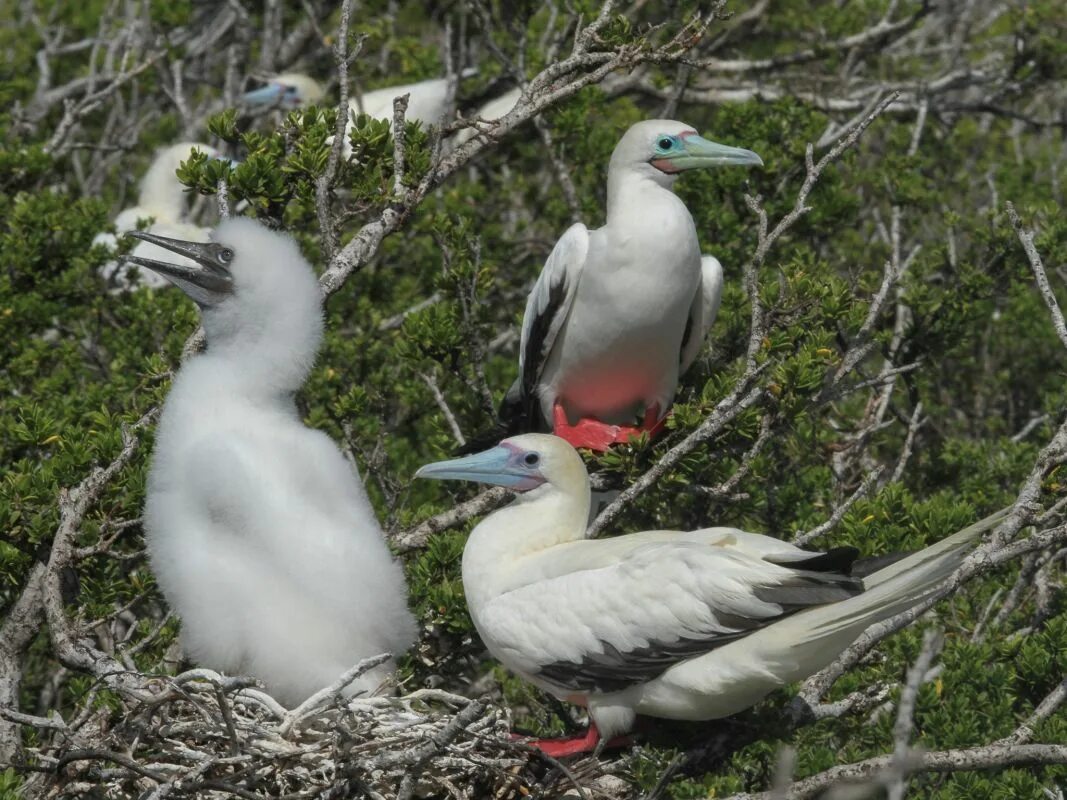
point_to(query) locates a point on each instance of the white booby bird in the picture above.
(618, 313)
(257, 528)
(427, 100)
(162, 199)
(683, 625)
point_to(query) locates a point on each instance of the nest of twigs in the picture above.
(203, 735)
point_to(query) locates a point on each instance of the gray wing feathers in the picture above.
(703, 311)
(550, 302)
(612, 665)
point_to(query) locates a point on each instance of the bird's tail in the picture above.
(803, 643)
(900, 585)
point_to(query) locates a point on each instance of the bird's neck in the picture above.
(635, 198)
(259, 362)
(499, 547)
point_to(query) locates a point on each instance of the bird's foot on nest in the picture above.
(598, 436)
(577, 744)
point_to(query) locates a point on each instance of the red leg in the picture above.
(651, 424)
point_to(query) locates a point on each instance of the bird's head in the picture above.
(250, 282)
(522, 463)
(664, 147)
(288, 91)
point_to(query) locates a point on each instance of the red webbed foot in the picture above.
(577, 744)
(599, 436)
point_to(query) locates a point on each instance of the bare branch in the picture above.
(1026, 238)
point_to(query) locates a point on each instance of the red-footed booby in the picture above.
(683, 625)
(258, 529)
(618, 313)
(427, 100)
(162, 199)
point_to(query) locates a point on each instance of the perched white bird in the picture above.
(288, 91)
(427, 100)
(684, 625)
(163, 200)
(258, 529)
(618, 313)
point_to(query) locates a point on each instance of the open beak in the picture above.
(498, 466)
(700, 153)
(207, 280)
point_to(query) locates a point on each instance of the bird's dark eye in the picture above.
(531, 459)
(225, 256)
(665, 143)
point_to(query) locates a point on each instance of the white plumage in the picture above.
(258, 529)
(684, 625)
(427, 100)
(162, 199)
(619, 312)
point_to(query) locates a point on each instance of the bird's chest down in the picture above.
(622, 341)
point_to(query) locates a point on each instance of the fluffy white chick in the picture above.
(258, 529)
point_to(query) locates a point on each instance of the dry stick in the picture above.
(1025, 732)
(725, 490)
(878, 33)
(560, 168)
(909, 441)
(483, 503)
(331, 692)
(453, 424)
(994, 756)
(324, 184)
(741, 398)
(73, 506)
(839, 512)
(17, 631)
(1026, 238)
(931, 646)
(400, 140)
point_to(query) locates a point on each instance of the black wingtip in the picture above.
(863, 567)
(838, 559)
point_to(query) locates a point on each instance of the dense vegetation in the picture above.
(886, 352)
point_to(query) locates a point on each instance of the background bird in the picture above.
(684, 625)
(618, 313)
(258, 529)
(162, 199)
(427, 100)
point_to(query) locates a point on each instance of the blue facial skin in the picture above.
(504, 465)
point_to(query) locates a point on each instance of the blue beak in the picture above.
(496, 466)
(698, 152)
(267, 96)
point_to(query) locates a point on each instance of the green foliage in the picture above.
(80, 362)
